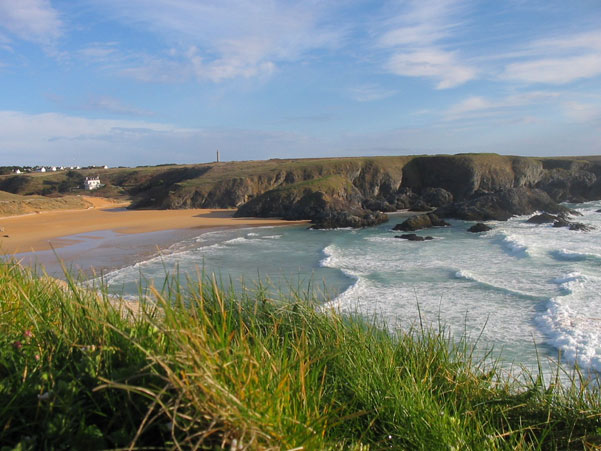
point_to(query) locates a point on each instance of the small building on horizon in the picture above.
(92, 183)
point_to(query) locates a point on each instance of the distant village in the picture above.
(27, 169)
(89, 183)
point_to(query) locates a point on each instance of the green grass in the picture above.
(4, 196)
(330, 184)
(12, 204)
(202, 367)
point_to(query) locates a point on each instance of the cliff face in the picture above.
(228, 185)
(354, 191)
(331, 201)
(463, 175)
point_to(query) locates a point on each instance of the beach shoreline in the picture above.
(108, 236)
(56, 229)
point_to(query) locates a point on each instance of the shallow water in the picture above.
(520, 287)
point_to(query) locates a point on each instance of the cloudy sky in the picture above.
(158, 81)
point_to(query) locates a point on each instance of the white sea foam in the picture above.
(328, 257)
(383, 239)
(495, 284)
(572, 321)
(567, 255)
(334, 259)
(348, 297)
(515, 245)
(239, 240)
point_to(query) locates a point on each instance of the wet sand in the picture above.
(108, 235)
(55, 229)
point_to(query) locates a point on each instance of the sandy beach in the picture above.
(55, 229)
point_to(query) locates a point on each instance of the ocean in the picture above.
(529, 292)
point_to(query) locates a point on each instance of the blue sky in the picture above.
(157, 81)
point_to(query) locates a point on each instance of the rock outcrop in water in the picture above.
(560, 220)
(543, 218)
(479, 228)
(501, 205)
(414, 237)
(421, 222)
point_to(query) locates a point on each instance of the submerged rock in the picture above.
(561, 222)
(421, 222)
(543, 218)
(580, 227)
(479, 227)
(414, 237)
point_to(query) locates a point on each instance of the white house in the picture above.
(42, 169)
(92, 183)
(18, 171)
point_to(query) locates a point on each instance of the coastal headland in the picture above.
(329, 192)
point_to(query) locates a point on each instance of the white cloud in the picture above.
(555, 71)
(416, 38)
(53, 138)
(98, 103)
(559, 60)
(16, 125)
(99, 51)
(588, 40)
(469, 105)
(433, 63)
(148, 68)
(227, 39)
(370, 93)
(582, 112)
(481, 106)
(111, 105)
(5, 43)
(44, 138)
(31, 20)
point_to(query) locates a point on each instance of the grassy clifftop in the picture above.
(367, 184)
(202, 367)
(176, 186)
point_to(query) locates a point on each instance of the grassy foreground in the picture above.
(201, 367)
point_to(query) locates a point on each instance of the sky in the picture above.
(141, 82)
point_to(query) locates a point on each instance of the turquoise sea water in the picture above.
(520, 287)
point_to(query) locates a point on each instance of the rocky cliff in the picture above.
(358, 191)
